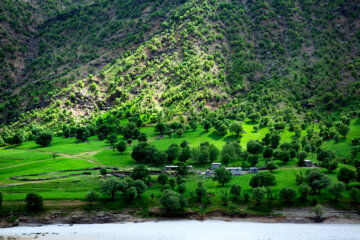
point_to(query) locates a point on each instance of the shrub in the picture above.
(288, 194)
(91, 197)
(235, 190)
(131, 194)
(34, 201)
(172, 201)
(44, 139)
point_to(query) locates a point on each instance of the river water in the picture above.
(187, 230)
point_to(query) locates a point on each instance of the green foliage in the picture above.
(44, 139)
(222, 175)
(92, 196)
(34, 201)
(287, 194)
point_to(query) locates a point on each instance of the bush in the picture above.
(140, 172)
(181, 188)
(131, 194)
(172, 201)
(162, 179)
(44, 139)
(287, 194)
(235, 190)
(355, 195)
(34, 201)
(91, 197)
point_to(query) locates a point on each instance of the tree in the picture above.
(200, 191)
(185, 154)
(236, 128)
(193, 125)
(140, 187)
(44, 139)
(181, 188)
(287, 194)
(172, 201)
(213, 153)
(229, 150)
(109, 187)
(184, 144)
(142, 137)
(131, 194)
(235, 190)
(124, 184)
(262, 179)
(355, 195)
(330, 165)
(82, 133)
(283, 156)
(18, 138)
(172, 183)
(162, 179)
(317, 180)
(222, 175)
(301, 156)
(206, 125)
(172, 152)
(336, 189)
(91, 197)
(160, 158)
(254, 147)
(112, 139)
(182, 169)
(271, 166)
(346, 175)
(275, 140)
(254, 117)
(140, 172)
(268, 152)
(161, 128)
(258, 195)
(304, 191)
(34, 201)
(179, 132)
(121, 146)
(103, 171)
(253, 159)
(342, 129)
(319, 211)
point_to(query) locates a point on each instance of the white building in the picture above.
(215, 165)
(236, 171)
(308, 163)
(253, 170)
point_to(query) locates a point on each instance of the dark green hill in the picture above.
(84, 58)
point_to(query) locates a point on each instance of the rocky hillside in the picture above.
(83, 58)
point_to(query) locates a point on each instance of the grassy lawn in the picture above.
(29, 158)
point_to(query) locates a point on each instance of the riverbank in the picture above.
(285, 215)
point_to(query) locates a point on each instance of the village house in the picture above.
(215, 165)
(236, 171)
(308, 163)
(253, 170)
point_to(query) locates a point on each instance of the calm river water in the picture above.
(186, 230)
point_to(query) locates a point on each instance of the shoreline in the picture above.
(302, 215)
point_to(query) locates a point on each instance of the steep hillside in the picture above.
(190, 57)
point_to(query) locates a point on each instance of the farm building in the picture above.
(308, 163)
(215, 165)
(253, 170)
(236, 171)
(174, 167)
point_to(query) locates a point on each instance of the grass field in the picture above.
(29, 158)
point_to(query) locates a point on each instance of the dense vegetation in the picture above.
(115, 84)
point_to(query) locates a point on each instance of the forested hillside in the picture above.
(65, 60)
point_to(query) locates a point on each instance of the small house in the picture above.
(171, 168)
(253, 170)
(208, 172)
(189, 167)
(236, 171)
(215, 165)
(308, 163)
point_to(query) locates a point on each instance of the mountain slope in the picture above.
(191, 57)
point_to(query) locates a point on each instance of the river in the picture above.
(186, 230)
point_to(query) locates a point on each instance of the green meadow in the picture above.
(29, 158)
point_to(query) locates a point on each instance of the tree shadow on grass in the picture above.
(215, 136)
